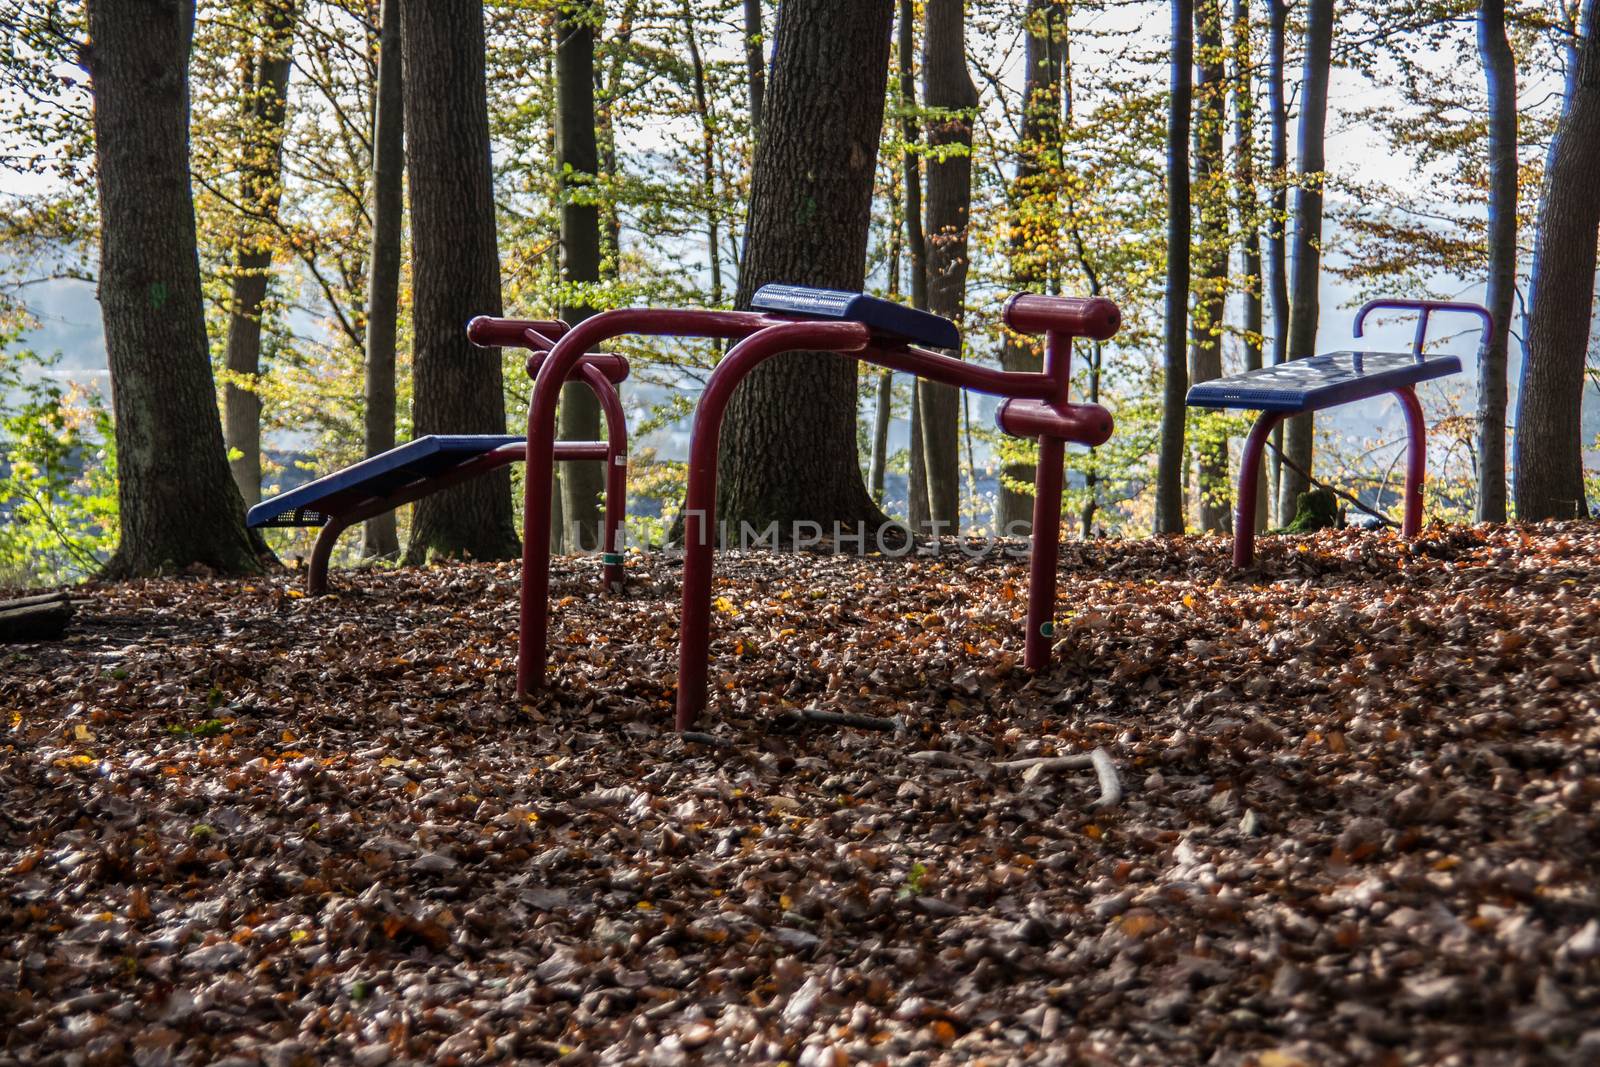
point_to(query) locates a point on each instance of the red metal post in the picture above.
(700, 503)
(1046, 548)
(1244, 515)
(1416, 459)
(616, 460)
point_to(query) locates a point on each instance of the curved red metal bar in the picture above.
(1427, 308)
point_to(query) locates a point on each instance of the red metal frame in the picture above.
(1037, 406)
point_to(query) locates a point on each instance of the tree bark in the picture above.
(1211, 247)
(949, 92)
(708, 155)
(578, 162)
(262, 98)
(1500, 72)
(1169, 517)
(178, 503)
(754, 64)
(1248, 205)
(457, 388)
(916, 244)
(1033, 212)
(1277, 272)
(1549, 439)
(789, 442)
(1305, 255)
(380, 538)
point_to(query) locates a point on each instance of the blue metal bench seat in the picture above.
(314, 503)
(1327, 381)
(1321, 382)
(883, 317)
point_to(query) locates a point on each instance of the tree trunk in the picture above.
(577, 162)
(1277, 273)
(883, 412)
(455, 269)
(754, 64)
(178, 504)
(607, 88)
(379, 536)
(916, 245)
(1500, 71)
(789, 441)
(948, 88)
(1169, 464)
(1033, 215)
(1549, 439)
(1306, 253)
(1211, 247)
(260, 189)
(1249, 208)
(708, 155)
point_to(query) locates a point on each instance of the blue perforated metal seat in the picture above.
(884, 318)
(1321, 381)
(314, 503)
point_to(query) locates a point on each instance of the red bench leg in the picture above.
(1416, 458)
(321, 551)
(1244, 516)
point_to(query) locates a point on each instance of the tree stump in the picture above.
(35, 618)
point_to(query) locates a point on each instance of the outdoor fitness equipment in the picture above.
(429, 464)
(794, 318)
(1326, 381)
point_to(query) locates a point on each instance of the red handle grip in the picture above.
(487, 332)
(613, 366)
(1076, 316)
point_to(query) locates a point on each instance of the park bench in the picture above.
(789, 318)
(436, 462)
(1326, 381)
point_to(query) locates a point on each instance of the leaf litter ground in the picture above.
(243, 826)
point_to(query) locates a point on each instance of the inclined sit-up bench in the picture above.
(790, 319)
(436, 462)
(1327, 381)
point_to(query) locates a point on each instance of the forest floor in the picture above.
(1361, 821)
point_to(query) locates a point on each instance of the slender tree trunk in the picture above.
(1249, 206)
(916, 245)
(1306, 253)
(1169, 465)
(1211, 248)
(789, 441)
(708, 155)
(607, 89)
(1033, 221)
(380, 537)
(1277, 265)
(1549, 439)
(577, 157)
(754, 64)
(263, 94)
(883, 413)
(178, 504)
(455, 268)
(1500, 71)
(948, 88)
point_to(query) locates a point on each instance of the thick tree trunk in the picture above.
(1500, 71)
(947, 87)
(1277, 265)
(379, 535)
(578, 161)
(754, 64)
(789, 442)
(1033, 212)
(916, 243)
(1549, 439)
(178, 504)
(262, 99)
(455, 270)
(1248, 206)
(1169, 464)
(1211, 249)
(1305, 254)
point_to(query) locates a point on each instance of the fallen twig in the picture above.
(1336, 491)
(1110, 784)
(1035, 767)
(844, 718)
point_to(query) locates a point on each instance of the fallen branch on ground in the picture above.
(1036, 767)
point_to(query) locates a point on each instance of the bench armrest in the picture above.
(1075, 316)
(1427, 308)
